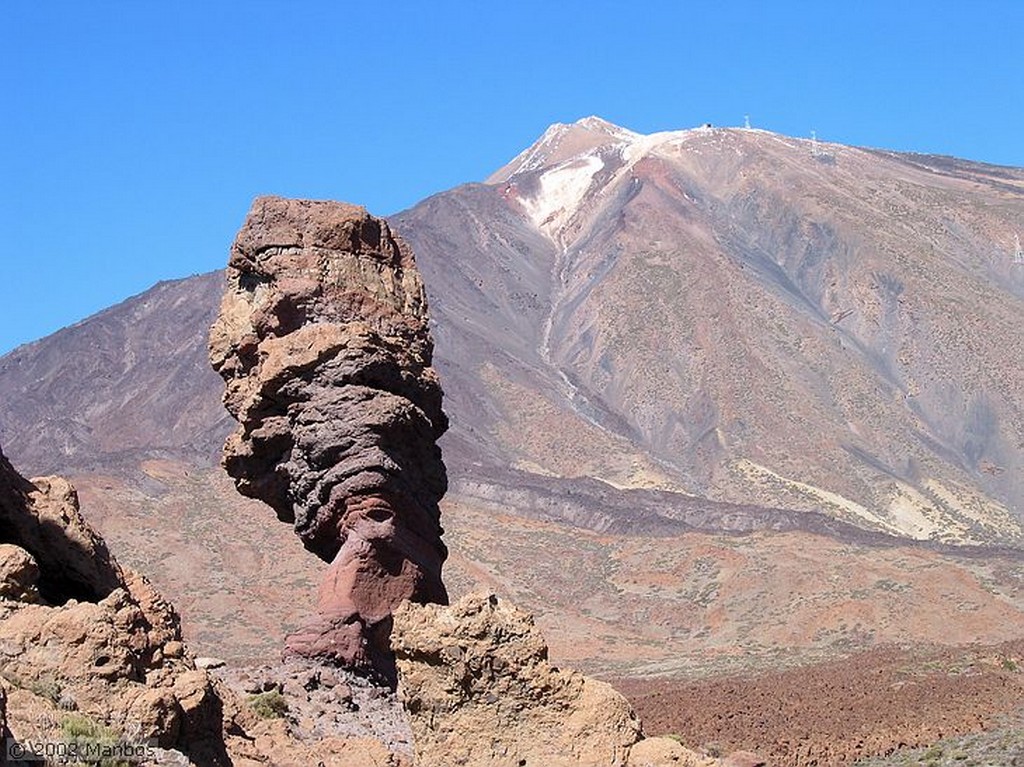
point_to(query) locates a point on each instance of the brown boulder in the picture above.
(41, 516)
(19, 574)
(91, 639)
(476, 683)
(666, 752)
(323, 343)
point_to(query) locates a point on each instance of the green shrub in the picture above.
(90, 739)
(269, 705)
(47, 687)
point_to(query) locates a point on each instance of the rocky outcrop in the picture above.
(79, 634)
(4, 733)
(19, 574)
(42, 518)
(479, 690)
(112, 668)
(323, 343)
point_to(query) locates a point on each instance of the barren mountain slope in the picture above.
(820, 338)
(743, 316)
(130, 382)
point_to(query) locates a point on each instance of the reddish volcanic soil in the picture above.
(837, 712)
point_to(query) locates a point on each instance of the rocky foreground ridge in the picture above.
(479, 690)
(82, 637)
(91, 656)
(80, 634)
(323, 343)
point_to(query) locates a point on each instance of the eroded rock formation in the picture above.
(78, 633)
(479, 690)
(323, 343)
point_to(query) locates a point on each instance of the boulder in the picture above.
(42, 517)
(479, 690)
(666, 752)
(19, 574)
(79, 633)
(476, 684)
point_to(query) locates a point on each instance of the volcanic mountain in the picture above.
(741, 316)
(714, 394)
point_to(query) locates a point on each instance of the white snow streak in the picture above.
(562, 191)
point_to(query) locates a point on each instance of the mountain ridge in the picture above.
(537, 322)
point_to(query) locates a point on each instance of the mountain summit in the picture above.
(558, 172)
(562, 141)
(746, 316)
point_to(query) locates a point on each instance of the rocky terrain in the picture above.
(93, 658)
(479, 689)
(79, 634)
(693, 604)
(892, 699)
(720, 401)
(1000, 744)
(323, 343)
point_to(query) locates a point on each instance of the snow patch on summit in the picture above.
(562, 190)
(563, 164)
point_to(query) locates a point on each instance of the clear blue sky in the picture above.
(135, 133)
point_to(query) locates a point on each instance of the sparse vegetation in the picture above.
(1003, 746)
(45, 686)
(91, 741)
(713, 750)
(269, 705)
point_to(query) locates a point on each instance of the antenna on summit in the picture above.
(746, 121)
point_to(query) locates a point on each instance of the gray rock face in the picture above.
(322, 340)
